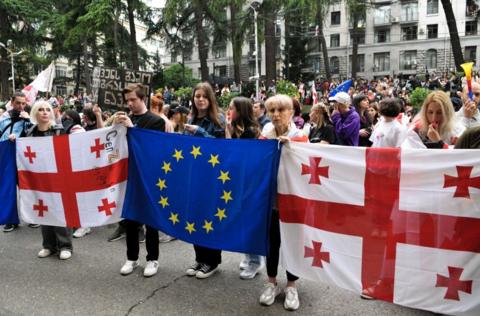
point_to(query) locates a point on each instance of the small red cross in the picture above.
(463, 182)
(40, 208)
(29, 154)
(97, 148)
(317, 254)
(453, 283)
(314, 170)
(107, 207)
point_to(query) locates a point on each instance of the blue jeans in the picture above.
(253, 259)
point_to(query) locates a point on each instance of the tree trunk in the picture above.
(270, 54)
(201, 43)
(77, 80)
(354, 33)
(237, 42)
(4, 64)
(454, 38)
(326, 61)
(86, 70)
(115, 33)
(287, 48)
(133, 34)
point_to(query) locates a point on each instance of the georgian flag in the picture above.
(398, 225)
(76, 180)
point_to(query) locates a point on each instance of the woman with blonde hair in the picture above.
(437, 125)
(321, 129)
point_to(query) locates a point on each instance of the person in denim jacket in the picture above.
(16, 122)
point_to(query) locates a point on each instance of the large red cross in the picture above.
(381, 212)
(29, 154)
(97, 148)
(40, 208)
(462, 182)
(68, 182)
(317, 254)
(453, 283)
(107, 207)
(314, 170)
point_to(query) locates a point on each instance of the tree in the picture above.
(177, 76)
(269, 12)
(357, 12)
(454, 38)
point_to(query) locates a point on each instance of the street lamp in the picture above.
(12, 55)
(255, 5)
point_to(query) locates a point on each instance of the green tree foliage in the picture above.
(288, 88)
(178, 76)
(418, 96)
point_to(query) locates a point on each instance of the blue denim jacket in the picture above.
(207, 128)
(19, 128)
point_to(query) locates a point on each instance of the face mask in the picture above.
(67, 123)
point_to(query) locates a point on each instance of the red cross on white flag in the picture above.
(389, 224)
(71, 181)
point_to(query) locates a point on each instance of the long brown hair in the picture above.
(245, 119)
(212, 103)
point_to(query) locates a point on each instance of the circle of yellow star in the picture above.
(208, 226)
(190, 227)
(224, 176)
(163, 201)
(166, 167)
(178, 155)
(220, 214)
(214, 160)
(161, 184)
(196, 151)
(227, 196)
(174, 218)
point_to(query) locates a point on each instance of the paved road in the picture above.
(90, 284)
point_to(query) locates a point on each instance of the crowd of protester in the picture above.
(370, 114)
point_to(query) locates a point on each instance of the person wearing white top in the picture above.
(389, 132)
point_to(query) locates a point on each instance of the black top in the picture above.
(148, 120)
(54, 130)
(326, 133)
(248, 133)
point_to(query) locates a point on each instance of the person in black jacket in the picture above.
(140, 117)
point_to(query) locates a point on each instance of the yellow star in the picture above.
(227, 196)
(224, 176)
(208, 226)
(163, 201)
(213, 160)
(178, 155)
(196, 151)
(174, 218)
(220, 214)
(161, 184)
(190, 227)
(166, 167)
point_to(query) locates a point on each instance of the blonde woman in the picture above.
(437, 125)
(320, 129)
(55, 238)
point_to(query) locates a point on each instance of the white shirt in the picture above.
(388, 134)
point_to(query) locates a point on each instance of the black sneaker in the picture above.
(33, 225)
(141, 235)
(9, 227)
(118, 234)
(205, 271)
(192, 271)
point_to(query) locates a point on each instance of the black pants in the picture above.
(151, 240)
(274, 252)
(212, 257)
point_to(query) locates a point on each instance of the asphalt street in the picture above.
(90, 284)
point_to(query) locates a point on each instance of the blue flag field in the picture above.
(8, 184)
(210, 192)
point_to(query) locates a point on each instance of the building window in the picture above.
(60, 71)
(335, 40)
(432, 7)
(409, 33)
(471, 27)
(382, 35)
(432, 31)
(360, 63)
(360, 37)
(173, 57)
(431, 59)
(408, 60)
(381, 62)
(219, 50)
(471, 53)
(61, 90)
(335, 18)
(382, 15)
(410, 12)
(335, 65)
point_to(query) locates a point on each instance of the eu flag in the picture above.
(343, 87)
(8, 183)
(210, 192)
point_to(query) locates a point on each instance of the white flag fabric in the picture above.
(76, 180)
(43, 82)
(400, 225)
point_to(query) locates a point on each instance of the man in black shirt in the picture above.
(140, 117)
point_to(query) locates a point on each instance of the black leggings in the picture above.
(212, 257)
(151, 240)
(273, 254)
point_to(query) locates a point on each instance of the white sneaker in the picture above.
(128, 267)
(270, 291)
(250, 271)
(151, 268)
(292, 303)
(243, 264)
(65, 254)
(82, 232)
(44, 253)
